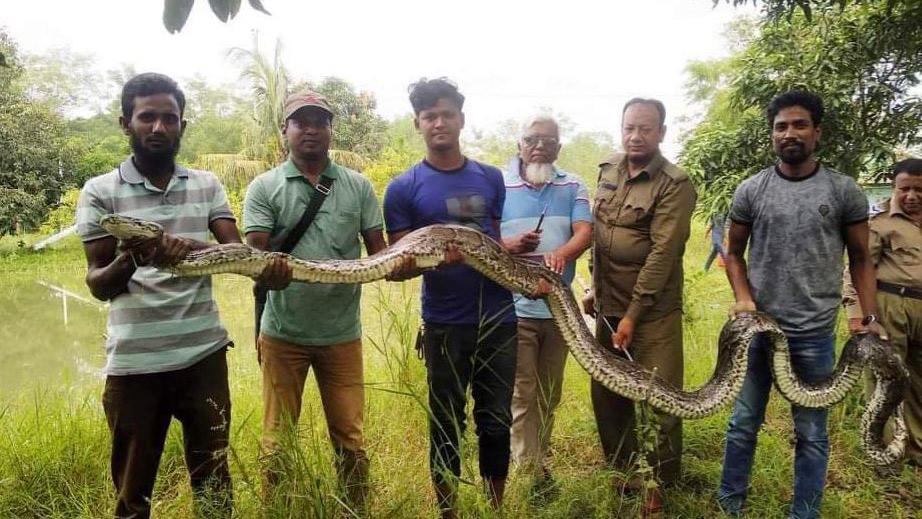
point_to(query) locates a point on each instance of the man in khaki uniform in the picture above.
(642, 211)
(896, 248)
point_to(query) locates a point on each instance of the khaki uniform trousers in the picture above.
(902, 318)
(339, 374)
(656, 343)
(541, 358)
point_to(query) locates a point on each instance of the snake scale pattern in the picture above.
(427, 246)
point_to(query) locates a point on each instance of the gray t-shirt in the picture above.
(796, 244)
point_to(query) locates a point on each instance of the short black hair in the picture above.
(425, 93)
(808, 100)
(912, 166)
(655, 103)
(146, 84)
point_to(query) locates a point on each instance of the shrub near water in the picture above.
(54, 444)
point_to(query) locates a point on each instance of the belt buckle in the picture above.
(902, 290)
(322, 188)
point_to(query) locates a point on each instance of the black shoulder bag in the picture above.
(260, 292)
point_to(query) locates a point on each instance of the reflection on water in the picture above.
(37, 348)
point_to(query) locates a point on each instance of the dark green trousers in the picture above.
(656, 343)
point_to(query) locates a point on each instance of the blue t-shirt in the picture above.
(472, 196)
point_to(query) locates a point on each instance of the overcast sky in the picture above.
(509, 57)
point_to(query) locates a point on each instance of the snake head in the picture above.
(127, 228)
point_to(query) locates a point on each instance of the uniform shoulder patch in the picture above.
(613, 160)
(675, 173)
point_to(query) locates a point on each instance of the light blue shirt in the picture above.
(567, 201)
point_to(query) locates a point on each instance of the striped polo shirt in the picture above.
(162, 323)
(567, 201)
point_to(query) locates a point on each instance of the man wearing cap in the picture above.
(546, 217)
(313, 325)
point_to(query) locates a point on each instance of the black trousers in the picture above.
(458, 356)
(139, 409)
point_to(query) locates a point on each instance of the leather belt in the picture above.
(900, 290)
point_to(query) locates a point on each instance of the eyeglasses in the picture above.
(532, 141)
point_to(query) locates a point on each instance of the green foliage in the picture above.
(35, 158)
(101, 157)
(63, 80)
(722, 154)
(176, 12)
(777, 9)
(404, 147)
(497, 146)
(864, 59)
(218, 120)
(63, 215)
(582, 154)
(356, 125)
(235, 170)
(268, 82)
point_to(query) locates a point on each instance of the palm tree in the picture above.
(269, 83)
(263, 143)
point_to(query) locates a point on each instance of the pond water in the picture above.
(38, 349)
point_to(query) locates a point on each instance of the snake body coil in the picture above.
(427, 246)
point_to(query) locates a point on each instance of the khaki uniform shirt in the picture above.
(895, 243)
(641, 225)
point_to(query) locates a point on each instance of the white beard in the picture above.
(539, 173)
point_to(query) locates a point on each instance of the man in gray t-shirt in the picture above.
(796, 244)
(798, 218)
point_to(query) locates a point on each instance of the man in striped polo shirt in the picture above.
(166, 347)
(547, 219)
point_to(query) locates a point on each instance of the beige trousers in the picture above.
(542, 356)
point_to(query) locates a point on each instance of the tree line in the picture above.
(58, 114)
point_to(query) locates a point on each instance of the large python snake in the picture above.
(427, 246)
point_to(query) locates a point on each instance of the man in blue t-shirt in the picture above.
(469, 321)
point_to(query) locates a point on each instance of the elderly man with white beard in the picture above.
(547, 219)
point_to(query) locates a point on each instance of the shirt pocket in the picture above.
(602, 205)
(637, 211)
(905, 250)
(345, 230)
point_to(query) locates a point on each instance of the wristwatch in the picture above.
(868, 319)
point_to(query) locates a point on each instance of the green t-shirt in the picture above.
(313, 314)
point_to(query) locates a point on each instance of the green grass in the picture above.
(54, 443)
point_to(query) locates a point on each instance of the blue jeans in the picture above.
(812, 360)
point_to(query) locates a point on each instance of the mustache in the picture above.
(163, 156)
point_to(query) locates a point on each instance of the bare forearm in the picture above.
(864, 279)
(578, 243)
(738, 277)
(107, 282)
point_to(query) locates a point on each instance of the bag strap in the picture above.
(322, 189)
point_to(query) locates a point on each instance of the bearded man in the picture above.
(797, 217)
(165, 346)
(547, 219)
